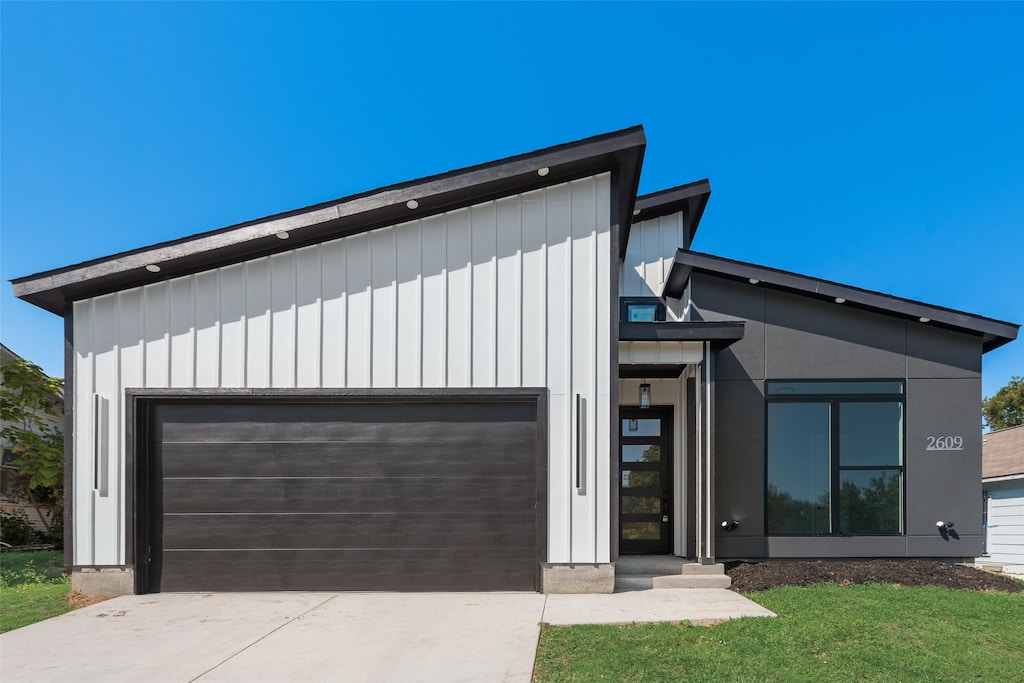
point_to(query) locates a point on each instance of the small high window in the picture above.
(641, 309)
(835, 458)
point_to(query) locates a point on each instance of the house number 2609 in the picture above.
(945, 443)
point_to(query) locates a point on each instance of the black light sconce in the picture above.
(645, 395)
(730, 525)
(943, 526)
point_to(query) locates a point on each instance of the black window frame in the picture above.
(835, 467)
(626, 301)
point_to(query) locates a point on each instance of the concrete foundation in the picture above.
(103, 580)
(577, 578)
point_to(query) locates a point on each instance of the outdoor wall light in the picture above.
(730, 526)
(645, 395)
(943, 525)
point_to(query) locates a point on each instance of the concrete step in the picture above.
(694, 569)
(649, 564)
(629, 582)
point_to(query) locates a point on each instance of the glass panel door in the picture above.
(645, 486)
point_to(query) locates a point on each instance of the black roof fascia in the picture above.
(647, 371)
(721, 333)
(691, 199)
(620, 152)
(994, 333)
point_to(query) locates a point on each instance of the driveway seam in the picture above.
(261, 638)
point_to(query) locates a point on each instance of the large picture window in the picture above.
(835, 458)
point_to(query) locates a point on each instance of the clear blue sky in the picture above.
(879, 145)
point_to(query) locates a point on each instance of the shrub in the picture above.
(15, 529)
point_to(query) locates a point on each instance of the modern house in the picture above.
(499, 378)
(1002, 471)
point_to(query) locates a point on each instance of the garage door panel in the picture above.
(328, 458)
(365, 494)
(312, 570)
(270, 493)
(382, 530)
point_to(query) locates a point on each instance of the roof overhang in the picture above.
(620, 153)
(720, 334)
(994, 333)
(690, 199)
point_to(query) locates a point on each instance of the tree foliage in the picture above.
(28, 403)
(1006, 408)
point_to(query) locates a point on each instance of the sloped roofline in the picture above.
(690, 199)
(994, 333)
(620, 152)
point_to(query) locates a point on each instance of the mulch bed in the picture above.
(759, 576)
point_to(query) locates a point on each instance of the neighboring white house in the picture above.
(1003, 490)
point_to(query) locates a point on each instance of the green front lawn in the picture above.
(822, 633)
(32, 588)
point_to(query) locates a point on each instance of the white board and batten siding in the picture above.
(508, 293)
(649, 255)
(1005, 531)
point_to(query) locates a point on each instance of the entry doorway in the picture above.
(645, 486)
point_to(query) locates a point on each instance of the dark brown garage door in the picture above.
(411, 495)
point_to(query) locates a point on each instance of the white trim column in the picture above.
(704, 459)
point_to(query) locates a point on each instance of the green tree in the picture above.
(1006, 408)
(28, 403)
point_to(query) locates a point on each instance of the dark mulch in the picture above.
(759, 576)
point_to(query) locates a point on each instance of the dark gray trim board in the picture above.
(994, 333)
(722, 333)
(145, 450)
(621, 151)
(691, 199)
(69, 436)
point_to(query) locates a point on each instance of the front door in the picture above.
(645, 488)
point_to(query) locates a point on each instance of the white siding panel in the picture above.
(384, 303)
(434, 335)
(307, 317)
(509, 293)
(359, 332)
(157, 330)
(232, 326)
(334, 280)
(1005, 532)
(535, 287)
(483, 242)
(509, 313)
(207, 325)
(282, 320)
(257, 314)
(649, 253)
(409, 319)
(460, 297)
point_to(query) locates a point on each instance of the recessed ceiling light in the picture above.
(412, 204)
(840, 300)
(543, 171)
(754, 281)
(283, 235)
(925, 320)
(636, 212)
(153, 268)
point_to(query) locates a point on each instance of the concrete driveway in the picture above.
(366, 637)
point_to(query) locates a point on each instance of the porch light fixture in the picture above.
(645, 395)
(636, 212)
(840, 300)
(754, 281)
(942, 526)
(543, 171)
(925, 320)
(153, 268)
(283, 235)
(412, 204)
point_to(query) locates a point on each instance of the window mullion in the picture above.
(834, 471)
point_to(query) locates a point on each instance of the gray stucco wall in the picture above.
(788, 336)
